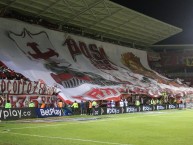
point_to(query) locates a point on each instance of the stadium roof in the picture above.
(172, 47)
(102, 17)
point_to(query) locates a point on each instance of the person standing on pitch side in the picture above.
(75, 108)
(7, 104)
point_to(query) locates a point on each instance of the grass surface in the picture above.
(171, 127)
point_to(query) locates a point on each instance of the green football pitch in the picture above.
(171, 127)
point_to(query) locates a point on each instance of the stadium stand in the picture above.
(84, 70)
(7, 73)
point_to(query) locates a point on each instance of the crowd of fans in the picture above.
(88, 107)
(7, 73)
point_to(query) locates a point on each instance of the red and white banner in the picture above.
(82, 68)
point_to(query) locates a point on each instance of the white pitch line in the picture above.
(63, 138)
(90, 121)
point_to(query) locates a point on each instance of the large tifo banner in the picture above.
(82, 68)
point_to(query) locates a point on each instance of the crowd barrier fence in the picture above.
(25, 113)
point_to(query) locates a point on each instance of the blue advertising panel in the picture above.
(160, 107)
(131, 109)
(49, 112)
